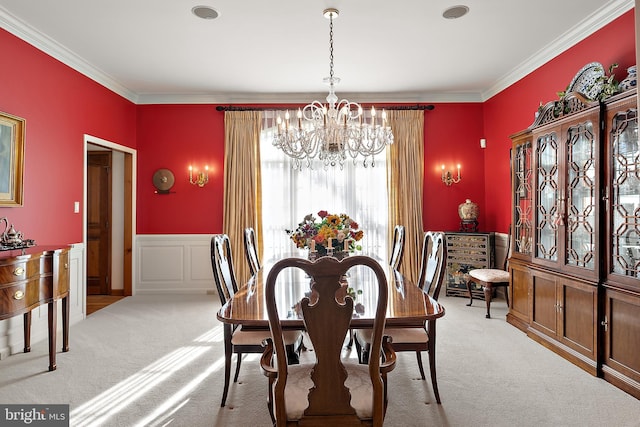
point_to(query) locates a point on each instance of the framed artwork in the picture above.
(11, 159)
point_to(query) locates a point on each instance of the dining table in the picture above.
(407, 306)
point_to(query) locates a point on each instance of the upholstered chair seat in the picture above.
(299, 383)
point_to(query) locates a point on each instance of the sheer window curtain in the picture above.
(405, 180)
(288, 195)
(242, 199)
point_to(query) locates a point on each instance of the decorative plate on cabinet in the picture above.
(588, 81)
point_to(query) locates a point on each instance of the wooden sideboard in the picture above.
(31, 277)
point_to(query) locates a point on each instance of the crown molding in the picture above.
(570, 38)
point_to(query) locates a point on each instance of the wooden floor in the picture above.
(96, 302)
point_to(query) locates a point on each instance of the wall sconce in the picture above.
(483, 143)
(447, 177)
(201, 177)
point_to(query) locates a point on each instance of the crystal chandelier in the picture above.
(332, 132)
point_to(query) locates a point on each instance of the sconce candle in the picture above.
(447, 177)
(201, 177)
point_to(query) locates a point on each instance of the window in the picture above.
(288, 195)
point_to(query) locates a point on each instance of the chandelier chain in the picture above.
(331, 48)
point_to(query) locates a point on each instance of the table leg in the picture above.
(432, 357)
(53, 327)
(65, 323)
(27, 331)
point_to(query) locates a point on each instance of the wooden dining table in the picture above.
(408, 306)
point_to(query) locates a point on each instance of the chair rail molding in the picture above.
(174, 263)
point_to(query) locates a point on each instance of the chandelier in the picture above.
(335, 131)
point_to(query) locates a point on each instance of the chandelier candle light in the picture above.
(334, 131)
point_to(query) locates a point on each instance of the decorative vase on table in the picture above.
(468, 212)
(331, 234)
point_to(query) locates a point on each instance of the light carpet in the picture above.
(157, 360)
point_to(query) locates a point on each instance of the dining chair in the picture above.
(236, 339)
(251, 251)
(328, 390)
(489, 279)
(397, 249)
(423, 338)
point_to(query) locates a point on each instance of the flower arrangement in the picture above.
(331, 231)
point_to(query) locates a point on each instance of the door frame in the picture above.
(129, 226)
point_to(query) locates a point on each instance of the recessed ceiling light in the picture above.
(205, 12)
(455, 12)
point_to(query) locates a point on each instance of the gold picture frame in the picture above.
(11, 160)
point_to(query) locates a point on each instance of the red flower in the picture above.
(323, 214)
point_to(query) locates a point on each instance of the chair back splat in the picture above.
(432, 264)
(251, 251)
(397, 249)
(222, 266)
(329, 400)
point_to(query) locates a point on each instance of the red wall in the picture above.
(174, 137)
(60, 106)
(451, 137)
(513, 109)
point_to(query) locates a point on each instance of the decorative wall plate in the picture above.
(163, 180)
(588, 81)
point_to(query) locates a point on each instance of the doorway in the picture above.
(109, 226)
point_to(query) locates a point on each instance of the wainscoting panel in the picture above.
(173, 263)
(11, 330)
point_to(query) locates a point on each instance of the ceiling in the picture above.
(256, 51)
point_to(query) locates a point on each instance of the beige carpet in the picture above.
(156, 360)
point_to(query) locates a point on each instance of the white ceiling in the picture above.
(157, 51)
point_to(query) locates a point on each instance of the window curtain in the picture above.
(289, 195)
(242, 183)
(405, 160)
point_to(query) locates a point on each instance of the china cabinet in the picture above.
(575, 262)
(621, 312)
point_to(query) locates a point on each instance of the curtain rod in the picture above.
(392, 107)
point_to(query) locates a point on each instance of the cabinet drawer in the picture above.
(18, 271)
(19, 297)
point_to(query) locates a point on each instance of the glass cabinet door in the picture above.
(523, 213)
(580, 201)
(548, 215)
(625, 194)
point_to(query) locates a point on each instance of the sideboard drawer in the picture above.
(19, 270)
(19, 298)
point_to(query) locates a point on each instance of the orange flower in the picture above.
(334, 220)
